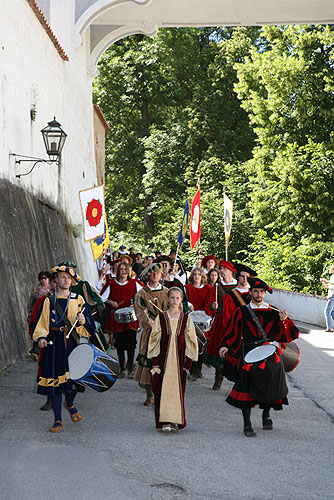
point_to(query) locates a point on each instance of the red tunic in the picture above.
(122, 294)
(201, 298)
(211, 355)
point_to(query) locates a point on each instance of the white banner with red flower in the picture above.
(92, 208)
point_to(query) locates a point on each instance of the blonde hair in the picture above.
(203, 276)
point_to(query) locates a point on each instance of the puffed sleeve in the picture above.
(41, 327)
(153, 349)
(191, 340)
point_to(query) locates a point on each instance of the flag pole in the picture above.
(199, 239)
(176, 256)
(103, 241)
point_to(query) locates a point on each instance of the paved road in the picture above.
(115, 452)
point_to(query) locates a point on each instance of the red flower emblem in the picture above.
(94, 212)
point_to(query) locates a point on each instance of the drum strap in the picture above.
(257, 322)
(238, 297)
(67, 322)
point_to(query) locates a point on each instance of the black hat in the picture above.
(243, 268)
(257, 283)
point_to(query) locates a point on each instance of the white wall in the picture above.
(32, 72)
(303, 307)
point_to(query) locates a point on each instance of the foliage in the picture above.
(243, 109)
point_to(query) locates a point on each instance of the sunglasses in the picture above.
(44, 278)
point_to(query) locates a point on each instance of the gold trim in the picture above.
(53, 382)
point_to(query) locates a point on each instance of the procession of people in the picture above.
(214, 314)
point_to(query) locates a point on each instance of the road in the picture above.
(116, 453)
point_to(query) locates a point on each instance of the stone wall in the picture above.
(34, 237)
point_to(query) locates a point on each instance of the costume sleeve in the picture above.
(140, 307)
(41, 327)
(88, 328)
(191, 340)
(287, 331)
(209, 299)
(228, 310)
(233, 335)
(153, 348)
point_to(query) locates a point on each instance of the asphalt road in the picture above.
(116, 453)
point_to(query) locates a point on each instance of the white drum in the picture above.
(260, 353)
(201, 320)
(125, 315)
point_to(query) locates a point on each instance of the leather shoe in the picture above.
(47, 406)
(249, 431)
(149, 402)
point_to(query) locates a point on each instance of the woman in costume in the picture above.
(213, 276)
(172, 347)
(202, 298)
(122, 291)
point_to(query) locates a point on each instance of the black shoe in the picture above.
(249, 431)
(47, 406)
(267, 424)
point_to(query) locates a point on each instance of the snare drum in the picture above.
(201, 320)
(259, 353)
(93, 368)
(125, 315)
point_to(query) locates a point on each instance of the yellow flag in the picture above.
(228, 209)
(97, 244)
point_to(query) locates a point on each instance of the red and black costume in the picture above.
(201, 299)
(211, 356)
(242, 336)
(124, 334)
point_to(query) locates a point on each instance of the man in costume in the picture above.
(209, 262)
(52, 324)
(148, 303)
(122, 291)
(211, 356)
(261, 383)
(172, 347)
(233, 299)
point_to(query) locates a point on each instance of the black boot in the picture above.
(48, 405)
(248, 429)
(218, 379)
(267, 423)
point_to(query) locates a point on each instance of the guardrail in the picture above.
(302, 306)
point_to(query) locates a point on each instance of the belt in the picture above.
(57, 329)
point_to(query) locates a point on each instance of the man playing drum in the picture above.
(149, 302)
(50, 331)
(262, 382)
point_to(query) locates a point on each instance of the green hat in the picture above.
(67, 263)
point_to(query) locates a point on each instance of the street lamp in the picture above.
(54, 139)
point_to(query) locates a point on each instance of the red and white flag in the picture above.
(195, 226)
(92, 208)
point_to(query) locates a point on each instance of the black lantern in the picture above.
(54, 139)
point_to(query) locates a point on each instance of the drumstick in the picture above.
(73, 326)
(216, 292)
(156, 306)
(279, 310)
(147, 316)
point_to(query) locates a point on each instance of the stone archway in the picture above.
(103, 22)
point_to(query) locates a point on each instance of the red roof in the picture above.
(102, 117)
(42, 19)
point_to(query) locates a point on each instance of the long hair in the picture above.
(203, 275)
(118, 272)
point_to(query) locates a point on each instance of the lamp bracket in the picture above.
(32, 159)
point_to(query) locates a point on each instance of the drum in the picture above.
(290, 356)
(93, 368)
(202, 320)
(125, 315)
(259, 353)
